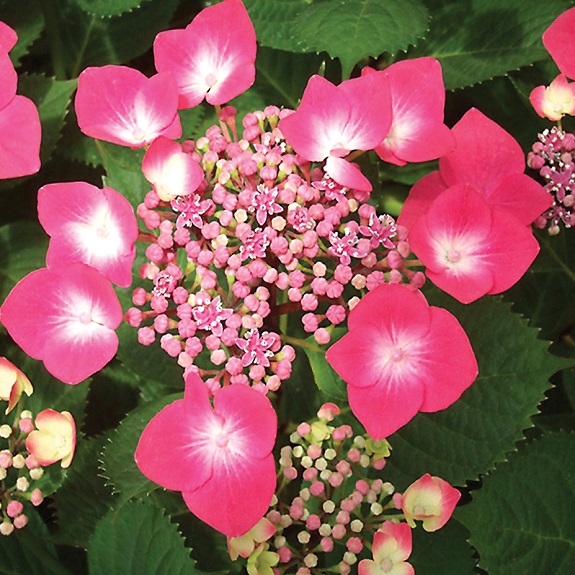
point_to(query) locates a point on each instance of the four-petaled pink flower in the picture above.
(209, 314)
(89, 225)
(347, 247)
(264, 203)
(380, 230)
(66, 319)
(430, 500)
(213, 58)
(219, 457)
(254, 245)
(12, 383)
(391, 547)
(256, 347)
(170, 170)
(120, 105)
(399, 357)
(332, 121)
(54, 438)
(20, 130)
(191, 209)
(417, 132)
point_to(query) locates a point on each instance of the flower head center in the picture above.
(386, 565)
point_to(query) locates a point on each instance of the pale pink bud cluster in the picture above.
(553, 155)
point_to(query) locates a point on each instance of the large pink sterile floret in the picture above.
(554, 101)
(120, 105)
(399, 357)
(488, 159)
(469, 248)
(65, 319)
(332, 121)
(213, 58)
(89, 225)
(417, 132)
(219, 457)
(392, 544)
(559, 39)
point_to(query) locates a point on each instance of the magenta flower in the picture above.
(89, 225)
(399, 357)
(469, 248)
(488, 159)
(209, 314)
(392, 544)
(219, 457)
(19, 121)
(332, 121)
(559, 40)
(120, 105)
(256, 347)
(171, 171)
(213, 58)
(66, 319)
(417, 132)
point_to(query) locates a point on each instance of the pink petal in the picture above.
(417, 132)
(555, 100)
(20, 135)
(89, 225)
(9, 80)
(214, 57)
(400, 532)
(163, 453)
(522, 197)
(67, 320)
(237, 495)
(8, 38)
(449, 362)
(347, 174)
(171, 171)
(420, 198)
(560, 42)
(484, 156)
(121, 105)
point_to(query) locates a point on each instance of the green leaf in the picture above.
(22, 250)
(118, 463)
(521, 521)
(52, 98)
(136, 539)
(443, 552)
(83, 499)
(28, 21)
(355, 29)
(479, 39)
(106, 8)
(482, 427)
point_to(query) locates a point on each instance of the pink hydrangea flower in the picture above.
(469, 248)
(401, 356)
(171, 171)
(559, 40)
(332, 121)
(554, 101)
(417, 132)
(13, 383)
(19, 120)
(488, 159)
(54, 439)
(89, 225)
(66, 319)
(120, 105)
(392, 544)
(430, 500)
(213, 58)
(213, 454)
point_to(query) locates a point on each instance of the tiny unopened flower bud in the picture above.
(5, 431)
(26, 425)
(6, 528)
(321, 464)
(330, 454)
(36, 473)
(376, 509)
(19, 461)
(306, 461)
(36, 497)
(279, 541)
(310, 560)
(20, 521)
(298, 450)
(325, 529)
(14, 508)
(3, 473)
(5, 459)
(22, 484)
(356, 526)
(303, 537)
(349, 558)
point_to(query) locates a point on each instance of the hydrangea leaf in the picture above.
(490, 39)
(84, 498)
(443, 551)
(118, 465)
(355, 29)
(52, 98)
(138, 538)
(521, 519)
(482, 427)
(106, 8)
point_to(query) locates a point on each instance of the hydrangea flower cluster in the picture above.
(331, 503)
(27, 445)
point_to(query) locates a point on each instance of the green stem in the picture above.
(564, 267)
(54, 38)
